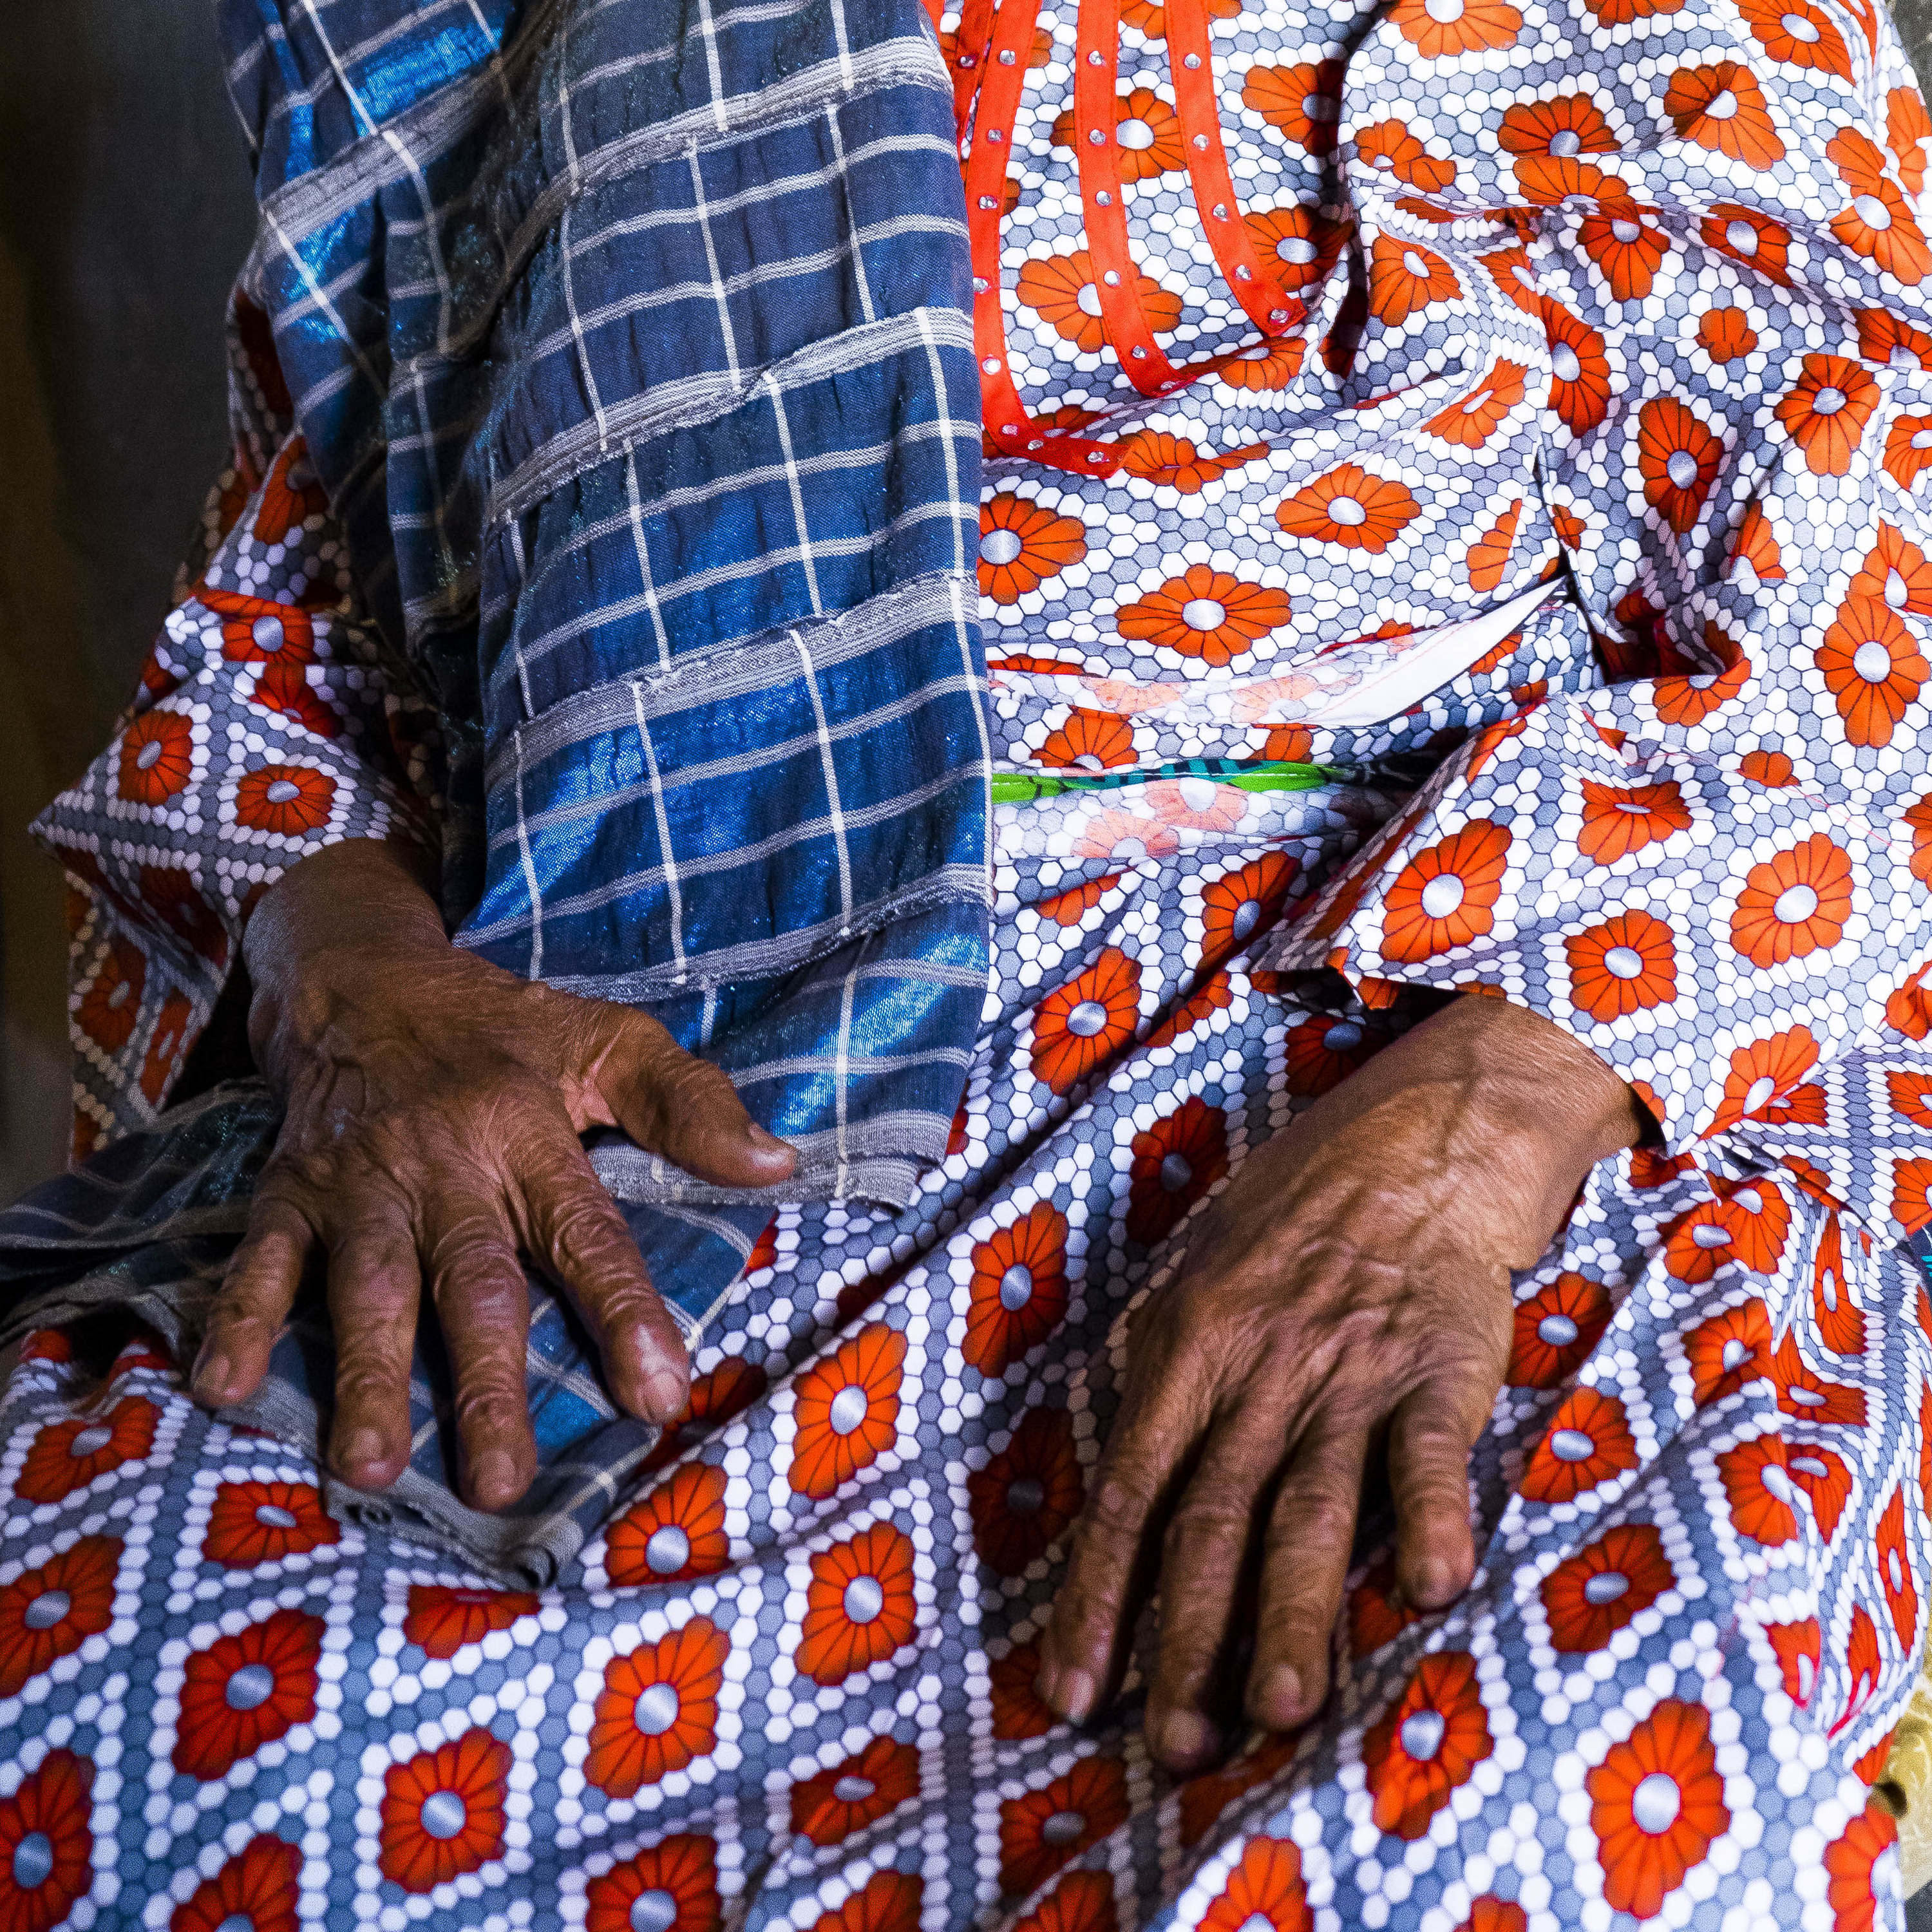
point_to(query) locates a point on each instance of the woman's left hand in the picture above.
(1353, 1278)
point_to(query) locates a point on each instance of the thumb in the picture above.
(626, 1071)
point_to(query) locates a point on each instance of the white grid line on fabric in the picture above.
(718, 292)
(327, 307)
(857, 818)
(937, 364)
(841, 1085)
(844, 42)
(708, 26)
(348, 87)
(797, 491)
(530, 885)
(573, 187)
(856, 246)
(516, 643)
(828, 765)
(672, 891)
(961, 623)
(640, 545)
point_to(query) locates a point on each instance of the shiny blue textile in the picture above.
(633, 349)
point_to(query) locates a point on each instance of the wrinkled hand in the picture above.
(433, 1106)
(1350, 1285)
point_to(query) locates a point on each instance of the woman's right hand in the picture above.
(433, 1104)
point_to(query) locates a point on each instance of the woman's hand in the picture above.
(433, 1106)
(1353, 1278)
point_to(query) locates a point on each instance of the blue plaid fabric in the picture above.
(632, 343)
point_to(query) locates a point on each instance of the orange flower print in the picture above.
(257, 631)
(1725, 334)
(1826, 1482)
(1300, 247)
(845, 1410)
(1062, 291)
(1451, 27)
(1590, 1597)
(676, 1533)
(1239, 904)
(1405, 278)
(888, 1903)
(1151, 19)
(157, 758)
(1127, 837)
(1747, 235)
(166, 1045)
(244, 1691)
(1083, 1901)
(442, 1811)
(860, 1607)
(1304, 102)
(1722, 107)
(831, 1807)
(1851, 1892)
(1204, 1798)
(1883, 337)
(1491, 1914)
(1018, 1712)
(1556, 1329)
(1826, 411)
(107, 1010)
(46, 1844)
(1587, 1442)
(1794, 904)
(263, 1523)
(1797, 1648)
(1841, 1322)
(48, 1613)
(1266, 1885)
(1080, 1026)
(1378, 1613)
(1894, 1573)
(1174, 461)
(1759, 1490)
(1678, 458)
(1907, 128)
(67, 1456)
(443, 1618)
(1862, 1661)
(657, 1709)
(1803, 1394)
(1515, 277)
(1445, 895)
(1799, 33)
(672, 1887)
(1727, 1350)
(1388, 148)
(257, 1888)
(1018, 1289)
(1470, 423)
(1027, 1496)
(286, 799)
(716, 1397)
(1872, 668)
(1878, 224)
(1148, 130)
(1896, 572)
(1759, 1073)
(1022, 543)
(1626, 250)
(1626, 965)
(292, 494)
(1559, 129)
(1046, 1829)
(1323, 1052)
(1489, 553)
(1908, 449)
(1426, 1744)
(1579, 369)
(1206, 614)
(1268, 365)
(1350, 507)
(1754, 552)
(1656, 1802)
(1175, 1162)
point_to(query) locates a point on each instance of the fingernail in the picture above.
(1434, 1584)
(664, 1393)
(364, 1449)
(495, 1475)
(1279, 1702)
(766, 1143)
(211, 1376)
(1075, 1700)
(1187, 1738)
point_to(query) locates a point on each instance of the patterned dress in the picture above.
(1516, 411)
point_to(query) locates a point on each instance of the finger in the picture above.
(1311, 1529)
(1206, 1560)
(375, 1289)
(573, 1230)
(669, 1101)
(1430, 1436)
(257, 1294)
(1114, 1557)
(470, 1256)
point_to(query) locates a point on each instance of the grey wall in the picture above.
(126, 209)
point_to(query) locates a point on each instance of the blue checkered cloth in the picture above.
(632, 343)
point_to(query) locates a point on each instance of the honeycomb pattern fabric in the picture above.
(1623, 297)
